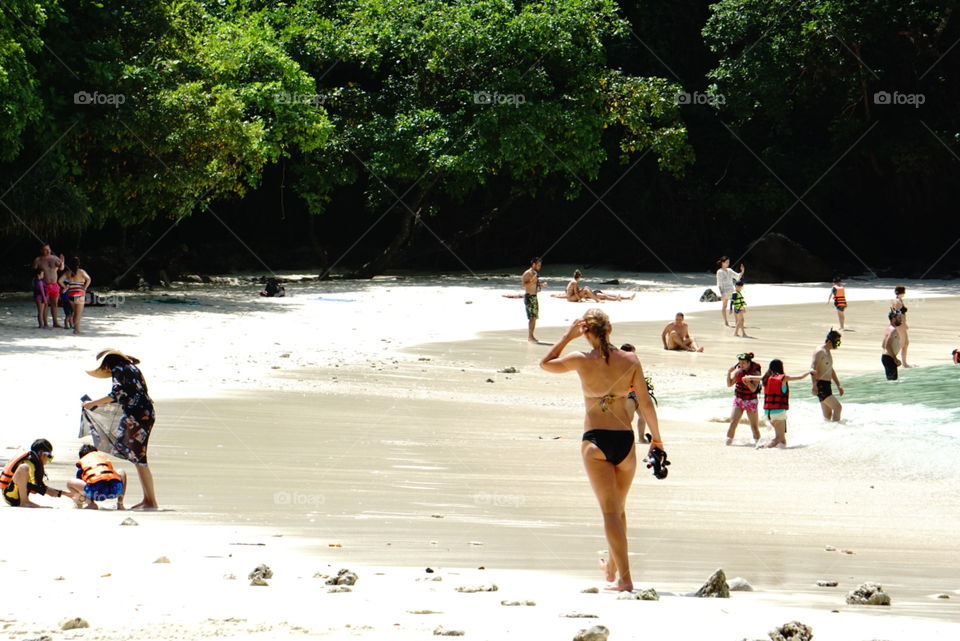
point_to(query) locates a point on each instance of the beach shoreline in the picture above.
(400, 453)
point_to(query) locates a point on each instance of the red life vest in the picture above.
(773, 397)
(96, 467)
(741, 390)
(839, 297)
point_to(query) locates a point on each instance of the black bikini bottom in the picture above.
(615, 444)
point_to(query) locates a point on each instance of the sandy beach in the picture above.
(370, 427)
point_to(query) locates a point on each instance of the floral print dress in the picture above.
(136, 422)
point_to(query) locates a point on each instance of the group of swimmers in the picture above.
(745, 378)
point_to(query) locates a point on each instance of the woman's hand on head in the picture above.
(577, 328)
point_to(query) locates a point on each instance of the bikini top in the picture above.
(603, 401)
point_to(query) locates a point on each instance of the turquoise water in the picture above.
(909, 428)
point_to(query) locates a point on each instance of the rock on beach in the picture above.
(868, 594)
(716, 586)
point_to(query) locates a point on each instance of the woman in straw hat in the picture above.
(133, 431)
(607, 376)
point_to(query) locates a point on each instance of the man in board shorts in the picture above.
(531, 286)
(824, 375)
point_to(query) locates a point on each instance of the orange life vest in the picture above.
(6, 476)
(773, 396)
(96, 467)
(839, 297)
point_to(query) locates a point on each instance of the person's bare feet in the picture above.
(144, 506)
(729, 441)
(700, 349)
(609, 570)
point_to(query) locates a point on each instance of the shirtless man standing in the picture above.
(531, 286)
(823, 375)
(676, 336)
(50, 264)
(891, 345)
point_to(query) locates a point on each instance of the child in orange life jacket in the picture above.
(776, 399)
(24, 475)
(97, 480)
(839, 297)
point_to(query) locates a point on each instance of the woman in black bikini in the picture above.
(609, 455)
(896, 305)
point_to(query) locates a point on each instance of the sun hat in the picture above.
(100, 371)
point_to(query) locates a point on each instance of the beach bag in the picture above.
(101, 424)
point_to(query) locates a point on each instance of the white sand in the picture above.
(432, 429)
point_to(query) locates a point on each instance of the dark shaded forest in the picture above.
(161, 138)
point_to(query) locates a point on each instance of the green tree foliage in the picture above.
(20, 104)
(155, 109)
(436, 100)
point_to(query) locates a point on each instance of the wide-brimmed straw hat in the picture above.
(103, 372)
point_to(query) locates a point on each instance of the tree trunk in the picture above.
(397, 246)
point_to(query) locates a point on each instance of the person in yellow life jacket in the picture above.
(97, 480)
(24, 475)
(839, 297)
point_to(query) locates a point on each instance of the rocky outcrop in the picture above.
(774, 258)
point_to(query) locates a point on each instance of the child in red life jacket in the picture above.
(97, 480)
(776, 399)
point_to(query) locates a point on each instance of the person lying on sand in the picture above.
(577, 293)
(676, 336)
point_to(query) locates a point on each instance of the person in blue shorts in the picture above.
(97, 480)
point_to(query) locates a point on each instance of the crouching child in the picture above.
(97, 480)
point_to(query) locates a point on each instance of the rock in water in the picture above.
(826, 583)
(793, 631)
(709, 296)
(739, 584)
(73, 624)
(128, 521)
(258, 581)
(596, 633)
(868, 594)
(649, 594)
(716, 586)
(162, 559)
(262, 571)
